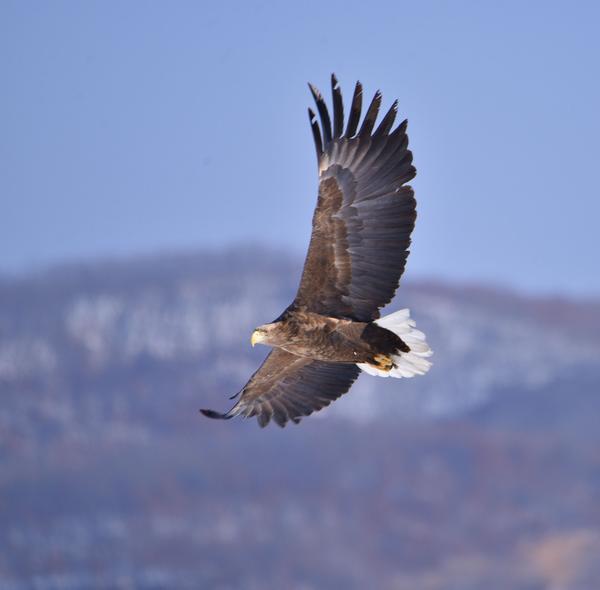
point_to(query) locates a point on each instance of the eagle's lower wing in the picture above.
(365, 212)
(288, 387)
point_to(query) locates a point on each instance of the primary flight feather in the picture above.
(361, 233)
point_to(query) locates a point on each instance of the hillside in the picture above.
(482, 474)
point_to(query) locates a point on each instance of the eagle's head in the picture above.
(267, 334)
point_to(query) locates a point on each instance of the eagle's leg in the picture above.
(382, 362)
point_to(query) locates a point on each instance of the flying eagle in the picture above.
(361, 233)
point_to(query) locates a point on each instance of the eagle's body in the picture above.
(311, 335)
(361, 232)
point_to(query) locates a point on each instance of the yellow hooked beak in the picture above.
(257, 336)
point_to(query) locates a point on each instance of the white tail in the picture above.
(408, 364)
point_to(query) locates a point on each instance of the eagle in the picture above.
(361, 230)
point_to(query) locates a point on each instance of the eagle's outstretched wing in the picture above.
(365, 212)
(288, 387)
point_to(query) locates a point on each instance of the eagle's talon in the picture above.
(383, 362)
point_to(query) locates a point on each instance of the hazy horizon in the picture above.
(297, 260)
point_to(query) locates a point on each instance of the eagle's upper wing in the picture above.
(365, 212)
(287, 387)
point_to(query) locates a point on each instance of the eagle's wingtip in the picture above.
(215, 415)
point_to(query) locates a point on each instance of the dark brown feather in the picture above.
(314, 125)
(323, 113)
(355, 110)
(371, 116)
(338, 108)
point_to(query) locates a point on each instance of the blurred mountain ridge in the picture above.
(482, 474)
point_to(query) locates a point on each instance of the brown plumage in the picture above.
(361, 233)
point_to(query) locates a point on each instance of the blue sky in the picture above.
(133, 127)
